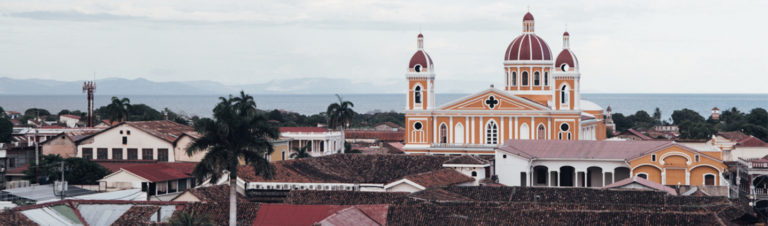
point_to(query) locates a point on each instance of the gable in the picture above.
(493, 99)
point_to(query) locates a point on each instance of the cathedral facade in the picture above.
(540, 100)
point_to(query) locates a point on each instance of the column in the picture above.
(532, 127)
(517, 128)
(434, 130)
(511, 128)
(501, 131)
(482, 131)
(450, 131)
(549, 128)
(466, 130)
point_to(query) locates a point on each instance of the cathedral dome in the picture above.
(528, 47)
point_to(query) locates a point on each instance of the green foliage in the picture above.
(36, 112)
(2, 112)
(692, 125)
(641, 119)
(301, 152)
(622, 122)
(142, 112)
(6, 130)
(77, 170)
(348, 149)
(754, 123)
(339, 114)
(186, 218)
(237, 131)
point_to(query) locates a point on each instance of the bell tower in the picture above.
(421, 79)
(567, 93)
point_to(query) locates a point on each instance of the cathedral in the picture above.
(540, 100)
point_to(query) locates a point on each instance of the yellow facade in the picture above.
(676, 164)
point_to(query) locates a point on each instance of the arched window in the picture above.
(491, 133)
(474, 174)
(564, 99)
(458, 134)
(525, 78)
(536, 79)
(514, 78)
(525, 132)
(443, 134)
(541, 133)
(564, 132)
(417, 94)
(546, 78)
(643, 175)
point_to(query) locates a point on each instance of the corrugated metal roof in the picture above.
(47, 216)
(102, 214)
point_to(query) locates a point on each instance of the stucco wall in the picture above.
(60, 145)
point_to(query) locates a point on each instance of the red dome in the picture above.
(420, 35)
(421, 58)
(528, 47)
(566, 33)
(528, 16)
(566, 57)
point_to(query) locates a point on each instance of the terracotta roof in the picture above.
(357, 168)
(303, 129)
(313, 197)
(70, 116)
(583, 149)
(733, 135)
(439, 178)
(137, 214)
(166, 130)
(390, 124)
(357, 216)
(637, 134)
(18, 170)
(381, 135)
(644, 182)
(115, 165)
(528, 47)
(15, 218)
(467, 160)
(216, 193)
(162, 171)
(751, 142)
(289, 214)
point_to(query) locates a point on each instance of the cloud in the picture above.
(71, 16)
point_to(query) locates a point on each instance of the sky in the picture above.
(622, 46)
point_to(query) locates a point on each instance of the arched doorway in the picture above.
(525, 132)
(540, 175)
(567, 174)
(620, 173)
(594, 176)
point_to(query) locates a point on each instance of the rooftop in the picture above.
(303, 129)
(583, 149)
(156, 172)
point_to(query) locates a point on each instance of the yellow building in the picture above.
(540, 100)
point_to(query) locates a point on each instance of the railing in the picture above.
(446, 145)
(759, 164)
(760, 192)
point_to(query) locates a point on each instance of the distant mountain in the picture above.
(141, 86)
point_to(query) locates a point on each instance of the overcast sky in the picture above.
(623, 46)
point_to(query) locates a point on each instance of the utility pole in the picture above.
(37, 157)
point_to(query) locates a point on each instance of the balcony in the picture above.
(464, 146)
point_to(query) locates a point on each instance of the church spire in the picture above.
(420, 42)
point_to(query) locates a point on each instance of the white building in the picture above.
(69, 120)
(164, 141)
(322, 141)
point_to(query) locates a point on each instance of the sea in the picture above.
(368, 103)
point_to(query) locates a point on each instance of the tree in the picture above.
(758, 117)
(77, 170)
(118, 109)
(340, 113)
(621, 122)
(301, 152)
(36, 112)
(191, 218)
(237, 132)
(2, 112)
(348, 149)
(692, 125)
(657, 116)
(6, 130)
(641, 119)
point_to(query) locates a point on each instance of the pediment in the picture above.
(493, 99)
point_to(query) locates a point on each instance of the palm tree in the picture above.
(237, 132)
(301, 152)
(118, 109)
(184, 218)
(339, 114)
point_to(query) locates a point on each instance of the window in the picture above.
(125, 140)
(162, 154)
(128, 132)
(491, 133)
(536, 79)
(541, 134)
(564, 127)
(133, 154)
(101, 153)
(697, 158)
(474, 174)
(417, 94)
(643, 175)
(417, 126)
(417, 68)
(183, 185)
(117, 153)
(88, 153)
(564, 95)
(443, 134)
(525, 78)
(514, 78)
(653, 158)
(147, 154)
(11, 162)
(546, 78)
(564, 67)
(709, 179)
(504, 156)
